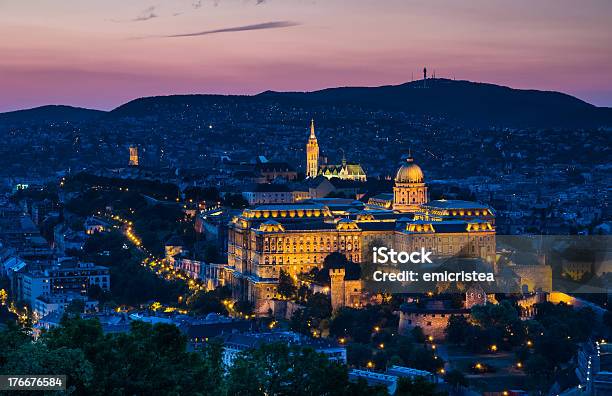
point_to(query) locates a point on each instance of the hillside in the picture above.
(466, 102)
(463, 102)
(50, 113)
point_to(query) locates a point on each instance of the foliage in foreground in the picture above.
(153, 360)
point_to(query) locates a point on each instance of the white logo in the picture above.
(383, 255)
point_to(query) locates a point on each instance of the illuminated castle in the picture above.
(409, 192)
(296, 238)
(344, 171)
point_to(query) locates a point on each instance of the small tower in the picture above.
(133, 156)
(312, 153)
(337, 289)
(424, 77)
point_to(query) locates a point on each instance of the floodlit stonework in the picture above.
(296, 238)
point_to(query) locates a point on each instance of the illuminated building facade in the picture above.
(261, 194)
(298, 237)
(133, 156)
(410, 191)
(344, 171)
(293, 238)
(312, 154)
(267, 172)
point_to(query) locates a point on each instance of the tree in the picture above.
(84, 334)
(314, 316)
(456, 379)
(417, 334)
(358, 354)
(95, 292)
(423, 358)
(213, 358)
(150, 359)
(205, 302)
(303, 293)
(235, 201)
(10, 339)
(337, 260)
(75, 307)
(202, 194)
(457, 329)
(494, 315)
(555, 347)
(37, 359)
(244, 307)
(278, 369)
(415, 387)
(286, 285)
(359, 324)
(538, 372)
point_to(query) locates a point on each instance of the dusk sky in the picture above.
(100, 54)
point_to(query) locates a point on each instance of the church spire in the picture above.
(312, 154)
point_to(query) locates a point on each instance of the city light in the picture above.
(270, 244)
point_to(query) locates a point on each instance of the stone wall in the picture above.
(433, 324)
(534, 277)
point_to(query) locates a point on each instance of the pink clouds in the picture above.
(83, 58)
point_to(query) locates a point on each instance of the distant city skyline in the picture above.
(101, 54)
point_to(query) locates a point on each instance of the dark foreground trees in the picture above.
(278, 369)
(153, 360)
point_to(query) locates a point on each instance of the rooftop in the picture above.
(455, 204)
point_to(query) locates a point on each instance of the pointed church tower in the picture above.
(312, 154)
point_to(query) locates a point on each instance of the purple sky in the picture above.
(100, 54)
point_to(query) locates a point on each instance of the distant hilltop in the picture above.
(464, 102)
(50, 113)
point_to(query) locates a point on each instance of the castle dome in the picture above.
(409, 173)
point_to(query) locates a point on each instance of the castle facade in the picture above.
(296, 238)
